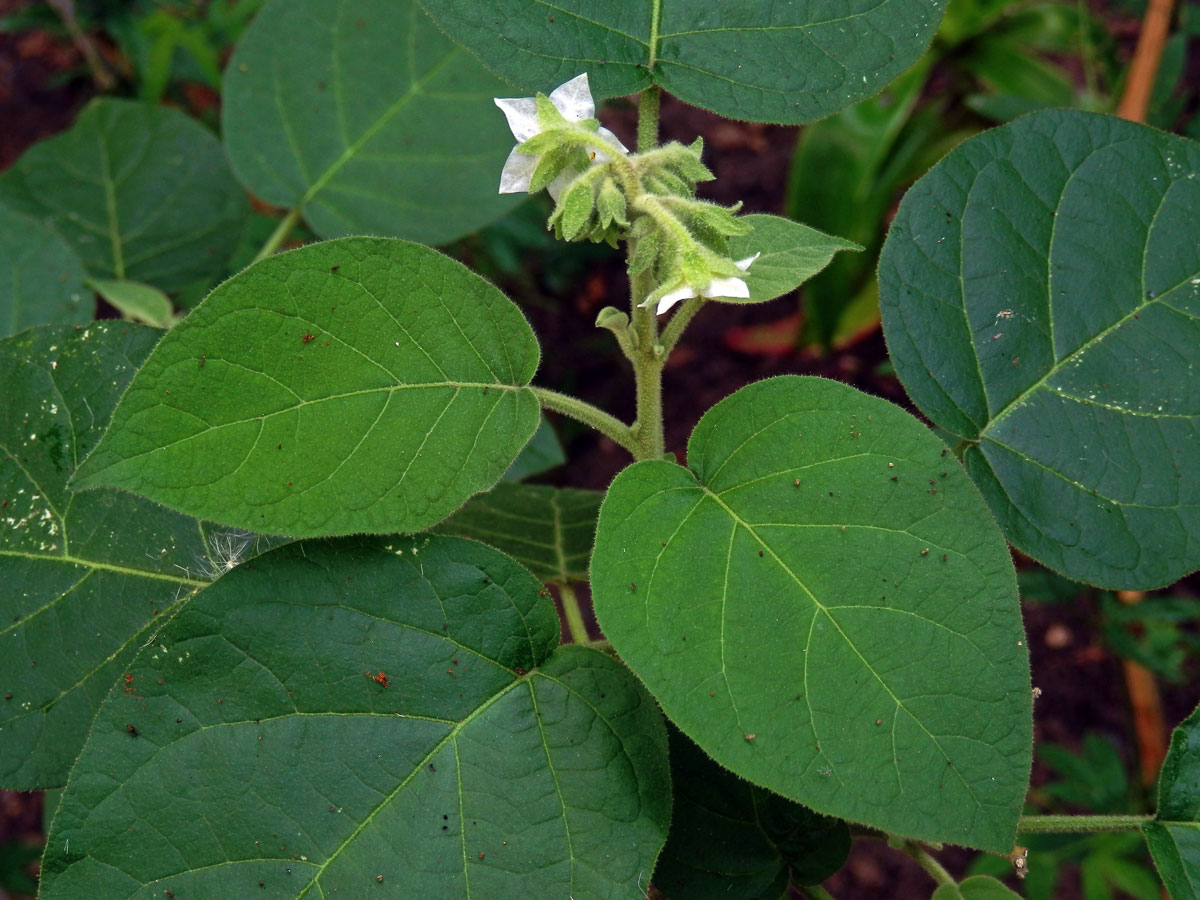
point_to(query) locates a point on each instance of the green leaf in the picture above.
(823, 603)
(764, 62)
(543, 453)
(142, 193)
(1174, 835)
(1040, 290)
(977, 887)
(791, 252)
(548, 530)
(86, 576)
(357, 385)
(134, 300)
(361, 113)
(43, 278)
(730, 840)
(372, 717)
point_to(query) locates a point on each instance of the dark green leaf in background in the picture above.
(730, 840)
(769, 62)
(823, 603)
(791, 252)
(548, 530)
(140, 192)
(364, 115)
(41, 278)
(367, 718)
(1040, 290)
(1174, 835)
(86, 577)
(543, 453)
(363, 384)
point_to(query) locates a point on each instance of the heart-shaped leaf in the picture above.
(822, 602)
(86, 576)
(548, 530)
(43, 281)
(140, 192)
(730, 840)
(764, 62)
(1040, 290)
(1174, 835)
(362, 384)
(791, 252)
(365, 116)
(366, 716)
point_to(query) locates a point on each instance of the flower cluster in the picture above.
(602, 193)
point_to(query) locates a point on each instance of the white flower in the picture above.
(718, 287)
(574, 101)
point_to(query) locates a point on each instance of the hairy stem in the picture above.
(925, 859)
(1080, 824)
(647, 133)
(576, 627)
(584, 412)
(279, 235)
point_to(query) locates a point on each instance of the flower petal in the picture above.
(522, 116)
(612, 139)
(744, 264)
(728, 287)
(517, 172)
(560, 182)
(574, 99)
(669, 299)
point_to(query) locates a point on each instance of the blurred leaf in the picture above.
(543, 453)
(142, 193)
(369, 119)
(43, 278)
(140, 302)
(977, 887)
(1095, 778)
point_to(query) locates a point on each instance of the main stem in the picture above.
(648, 354)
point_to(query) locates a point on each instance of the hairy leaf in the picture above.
(548, 530)
(140, 192)
(822, 602)
(977, 887)
(759, 61)
(362, 384)
(363, 115)
(791, 252)
(1040, 290)
(367, 718)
